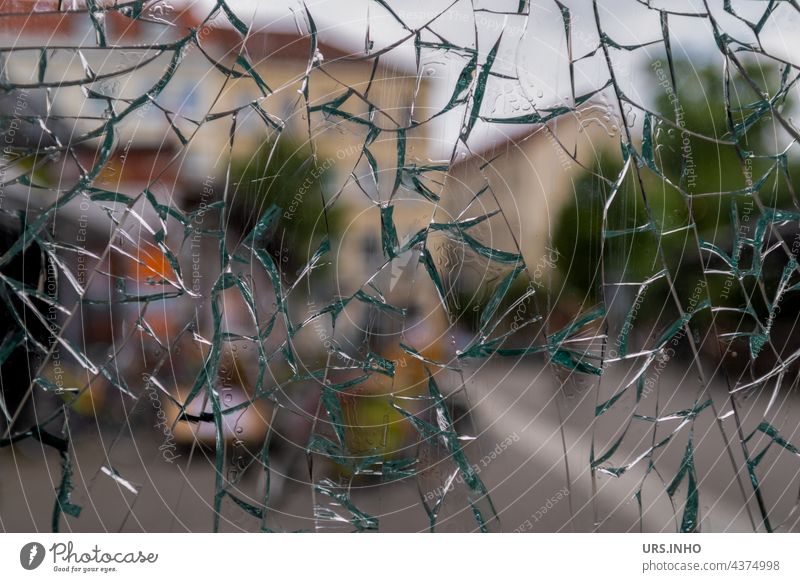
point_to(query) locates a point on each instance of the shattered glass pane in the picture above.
(434, 266)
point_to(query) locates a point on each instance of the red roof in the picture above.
(41, 17)
(34, 17)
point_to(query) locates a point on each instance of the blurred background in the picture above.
(440, 266)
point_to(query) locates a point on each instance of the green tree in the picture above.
(284, 173)
(708, 168)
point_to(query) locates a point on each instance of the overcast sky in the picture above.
(534, 48)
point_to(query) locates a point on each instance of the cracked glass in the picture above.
(399, 266)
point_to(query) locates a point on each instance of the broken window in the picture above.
(443, 266)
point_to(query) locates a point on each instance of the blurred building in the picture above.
(172, 116)
(529, 172)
